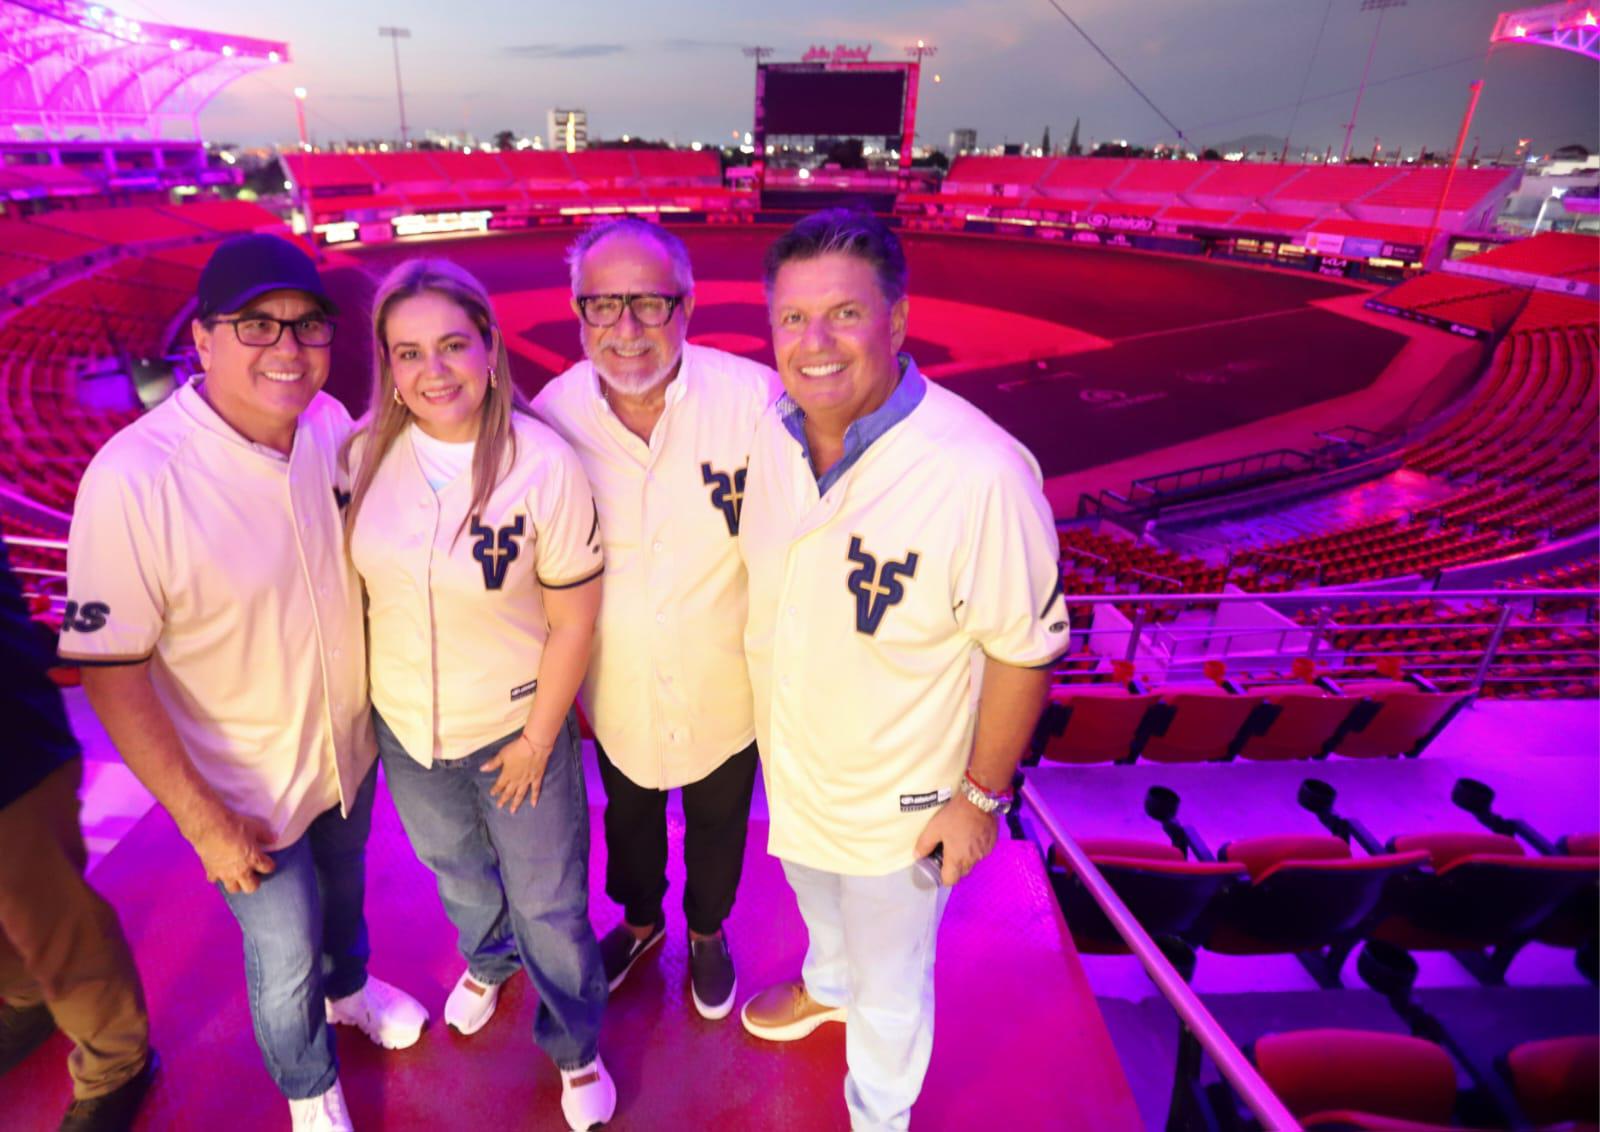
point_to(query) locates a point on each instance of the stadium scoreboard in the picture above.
(836, 100)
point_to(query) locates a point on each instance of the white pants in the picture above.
(871, 950)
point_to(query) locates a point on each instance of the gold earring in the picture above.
(399, 400)
(493, 384)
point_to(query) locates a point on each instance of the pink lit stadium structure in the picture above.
(1570, 26)
(1321, 444)
(71, 67)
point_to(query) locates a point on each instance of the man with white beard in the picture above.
(663, 430)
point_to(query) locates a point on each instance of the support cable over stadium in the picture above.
(1112, 63)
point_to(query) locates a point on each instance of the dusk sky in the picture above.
(1220, 69)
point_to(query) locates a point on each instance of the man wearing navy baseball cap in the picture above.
(220, 628)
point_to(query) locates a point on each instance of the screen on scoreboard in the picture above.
(833, 103)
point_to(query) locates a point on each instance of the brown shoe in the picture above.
(787, 1012)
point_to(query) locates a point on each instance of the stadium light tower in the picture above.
(1379, 6)
(758, 53)
(395, 35)
(917, 52)
(300, 116)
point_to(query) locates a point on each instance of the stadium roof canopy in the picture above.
(70, 69)
(1571, 26)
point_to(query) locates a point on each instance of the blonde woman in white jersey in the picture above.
(474, 532)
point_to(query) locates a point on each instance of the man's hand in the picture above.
(233, 850)
(521, 764)
(968, 835)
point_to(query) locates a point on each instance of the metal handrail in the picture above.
(1230, 1061)
(1201, 474)
(36, 543)
(1325, 596)
(1317, 635)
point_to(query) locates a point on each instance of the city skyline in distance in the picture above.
(1221, 70)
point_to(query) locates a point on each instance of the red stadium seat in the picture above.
(1296, 721)
(1557, 1079)
(1405, 720)
(1481, 891)
(1095, 723)
(1201, 723)
(1167, 894)
(1385, 1075)
(1306, 892)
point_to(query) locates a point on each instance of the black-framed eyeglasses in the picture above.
(264, 330)
(648, 309)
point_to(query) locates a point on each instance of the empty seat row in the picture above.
(1113, 723)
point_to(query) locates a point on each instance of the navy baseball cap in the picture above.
(244, 267)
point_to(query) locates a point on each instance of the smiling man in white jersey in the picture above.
(219, 625)
(663, 430)
(899, 547)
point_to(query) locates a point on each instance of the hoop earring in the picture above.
(493, 384)
(399, 400)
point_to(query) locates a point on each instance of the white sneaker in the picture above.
(386, 1014)
(470, 1005)
(590, 1104)
(321, 1114)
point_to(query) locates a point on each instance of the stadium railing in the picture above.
(1482, 648)
(1201, 1031)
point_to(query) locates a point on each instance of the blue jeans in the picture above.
(305, 939)
(514, 885)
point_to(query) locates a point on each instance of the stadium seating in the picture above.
(1306, 893)
(1197, 723)
(375, 185)
(1168, 894)
(1093, 724)
(1343, 1078)
(134, 224)
(1294, 721)
(1479, 891)
(1557, 1079)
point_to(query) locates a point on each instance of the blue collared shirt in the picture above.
(860, 434)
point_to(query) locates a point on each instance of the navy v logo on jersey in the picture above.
(876, 587)
(727, 493)
(496, 550)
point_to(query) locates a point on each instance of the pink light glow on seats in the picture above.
(1023, 172)
(225, 216)
(1335, 185)
(1234, 180)
(324, 170)
(546, 167)
(1077, 174)
(128, 225)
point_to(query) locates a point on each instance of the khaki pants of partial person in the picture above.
(60, 942)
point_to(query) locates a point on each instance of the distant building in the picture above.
(963, 141)
(567, 130)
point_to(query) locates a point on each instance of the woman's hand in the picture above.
(521, 764)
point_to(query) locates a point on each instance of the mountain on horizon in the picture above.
(1250, 143)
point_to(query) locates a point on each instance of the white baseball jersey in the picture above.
(667, 692)
(868, 610)
(456, 622)
(222, 562)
